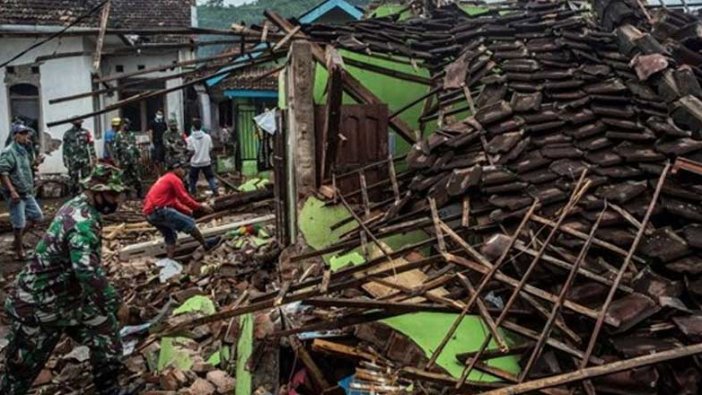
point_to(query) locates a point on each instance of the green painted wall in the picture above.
(395, 92)
(316, 220)
(473, 10)
(425, 329)
(244, 350)
(391, 9)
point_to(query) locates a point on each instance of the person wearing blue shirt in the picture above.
(110, 138)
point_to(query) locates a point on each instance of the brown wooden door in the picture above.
(363, 140)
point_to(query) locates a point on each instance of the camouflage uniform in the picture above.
(176, 150)
(126, 153)
(65, 290)
(78, 153)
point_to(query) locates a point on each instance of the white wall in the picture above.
(72, 75)
(58, 77)
(174, 101)
(130, 64)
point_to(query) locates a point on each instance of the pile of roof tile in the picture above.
(557, 98)
(564, 97)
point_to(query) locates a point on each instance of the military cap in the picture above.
(20, 128)
(103, 178)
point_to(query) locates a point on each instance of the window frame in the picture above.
(13, 97)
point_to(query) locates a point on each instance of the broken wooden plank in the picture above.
(624, 267)
(332, 122)
(351, 85)
(488, 275)
(597, 371)
(104, 16)
(555, 310)
(157, 247)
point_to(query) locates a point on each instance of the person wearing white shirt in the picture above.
(200, 144)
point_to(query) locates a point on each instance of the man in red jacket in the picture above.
(169, 208)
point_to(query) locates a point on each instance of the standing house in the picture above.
(237, 97)
(64, 66)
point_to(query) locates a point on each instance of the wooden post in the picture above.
(301, 120)
(352, 86)
(280, 187)
(332, 121)
(300, 127)
(101, 36)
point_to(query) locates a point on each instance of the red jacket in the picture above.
(169, 191)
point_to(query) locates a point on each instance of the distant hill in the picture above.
(222, 17)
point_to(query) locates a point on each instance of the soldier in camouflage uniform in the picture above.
(78, 154)
(126, 154)
(64, 290)
(174, 144)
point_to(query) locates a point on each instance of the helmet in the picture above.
(116, 121)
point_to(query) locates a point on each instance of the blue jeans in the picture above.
(26, 208)
(195, 174)
(169, 222)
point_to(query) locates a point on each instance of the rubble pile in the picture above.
(563, 177)
(200, 361)
(161, 292)
(559, 194)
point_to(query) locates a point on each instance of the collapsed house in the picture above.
(567, 201)
(541, 234)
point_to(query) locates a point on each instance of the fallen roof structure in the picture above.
(561, 176)
(554, 213)
(559, 188)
